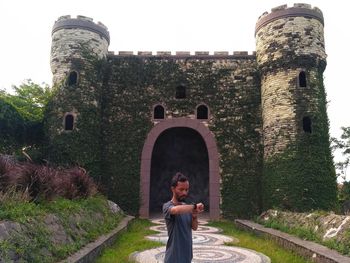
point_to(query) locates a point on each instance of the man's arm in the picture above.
(181, 209)
(194, 209)
(194, 221)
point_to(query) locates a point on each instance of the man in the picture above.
(180, 219)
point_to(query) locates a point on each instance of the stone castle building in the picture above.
(250, 130)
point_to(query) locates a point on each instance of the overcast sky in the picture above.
(164, 25)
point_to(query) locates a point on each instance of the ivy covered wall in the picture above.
(257, 109)
(303, 177)
(81, 145)
(114, 119)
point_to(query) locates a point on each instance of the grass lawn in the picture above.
(130, 241)
(249, 240)
(134, 240)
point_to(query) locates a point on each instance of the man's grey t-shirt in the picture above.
(179, 246)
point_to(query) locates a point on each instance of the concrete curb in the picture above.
(91, 251)
(309, 250)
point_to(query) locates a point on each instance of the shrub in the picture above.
(42, 182)
(75, 183)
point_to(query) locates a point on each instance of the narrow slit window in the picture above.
(307, 125)
(69, 122)
(202, 112)
(73, 78)
(302, 79)
(180, 92)
(158, 112)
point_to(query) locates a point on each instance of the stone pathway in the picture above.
(208, 246)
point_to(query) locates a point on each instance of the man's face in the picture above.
(181, 190)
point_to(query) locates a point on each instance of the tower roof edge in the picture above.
(304, 10)
(82, 22)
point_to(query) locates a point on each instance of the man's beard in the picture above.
(181, 198)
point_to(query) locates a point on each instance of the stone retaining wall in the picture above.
(309, 250)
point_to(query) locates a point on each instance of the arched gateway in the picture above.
(202, 137)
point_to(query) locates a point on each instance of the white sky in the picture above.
(164, 25)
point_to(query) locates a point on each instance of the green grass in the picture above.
(83, 220)
(249, 240)
(128, 242)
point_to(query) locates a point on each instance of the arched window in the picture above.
(72, 78)
(307, 125)
(158, 112)
(68, 122)
(202, 112)
(180, 92)
(302, 79)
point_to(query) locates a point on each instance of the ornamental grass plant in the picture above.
(42, 182)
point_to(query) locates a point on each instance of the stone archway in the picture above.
(213, 161)
(179, 149)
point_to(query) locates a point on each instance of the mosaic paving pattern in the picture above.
(201, 229)
(161, 221)
(198, 238)
(207, 247)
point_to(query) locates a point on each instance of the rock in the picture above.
(114, 207)
(58, 233)
(324, 225)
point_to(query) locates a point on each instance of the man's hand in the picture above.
(199, 208)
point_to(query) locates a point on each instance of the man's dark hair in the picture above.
(178, 177)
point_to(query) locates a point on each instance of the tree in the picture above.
(344, 145)
(21, 118)
(344, 193)
(29, 99)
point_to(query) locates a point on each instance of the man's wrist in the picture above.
(194, 207)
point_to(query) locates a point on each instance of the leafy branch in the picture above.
(342, 144)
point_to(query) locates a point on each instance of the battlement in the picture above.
(82, 22)
(185, 54)
(283, 11)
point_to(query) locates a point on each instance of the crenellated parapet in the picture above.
(283, 11)
(187, 54)
(81, 22)
(291, 36)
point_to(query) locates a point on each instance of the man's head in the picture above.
(180, 186)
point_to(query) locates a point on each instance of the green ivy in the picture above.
(109, 138)
(114, 102)
(303, 177)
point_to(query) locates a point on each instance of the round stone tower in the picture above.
(69, 37)
(290, 49)
(291, 58)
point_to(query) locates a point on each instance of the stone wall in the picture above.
(325, 227)
(287, 43)
(287, 34)
(68, 35)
